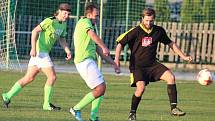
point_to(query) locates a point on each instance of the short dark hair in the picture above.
(63, 6)
(89, 8)
(148, 12)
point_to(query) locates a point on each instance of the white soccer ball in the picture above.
(205, 77)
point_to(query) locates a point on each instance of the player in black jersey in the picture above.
(144, 67)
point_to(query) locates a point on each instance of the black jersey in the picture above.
(143, 45)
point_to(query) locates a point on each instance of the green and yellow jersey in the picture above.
(85, 47)
(52, 30)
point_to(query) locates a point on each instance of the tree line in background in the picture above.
(197, 11)
(190, 11)
(186, 11)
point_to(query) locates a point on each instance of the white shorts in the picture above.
(90, 73)
(42, 60)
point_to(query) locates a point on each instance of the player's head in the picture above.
(63, 12)
(92, 12)
(148, 16)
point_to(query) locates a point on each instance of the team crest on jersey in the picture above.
(146, 41)
(58, 32)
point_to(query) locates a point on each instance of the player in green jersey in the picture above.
(43, 38)
(87, 43)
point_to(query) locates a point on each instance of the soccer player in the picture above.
(43, 38)
(144, 67)
(87, 43)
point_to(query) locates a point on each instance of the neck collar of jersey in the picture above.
(145, 29)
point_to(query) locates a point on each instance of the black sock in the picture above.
(134, 103)
(172, 92)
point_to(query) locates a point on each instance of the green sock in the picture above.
(95, 107)
(47, 96)
(88, 98)
(13, 91)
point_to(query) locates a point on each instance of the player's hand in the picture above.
(188, 58)
(117, 62)
(68, 56)
(116, 68)
(33, 53)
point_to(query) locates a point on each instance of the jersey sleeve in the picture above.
(45, 23)
(165, 39)
(87, 25)
(124, 38)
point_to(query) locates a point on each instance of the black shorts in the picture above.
(147, 74)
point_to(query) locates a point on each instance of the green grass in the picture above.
(198, 101)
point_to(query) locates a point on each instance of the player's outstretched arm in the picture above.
(108, 59)
(99, 42)
(65, 46)
(178, 51)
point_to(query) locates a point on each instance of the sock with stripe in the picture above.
(172, 93)
(134, 103)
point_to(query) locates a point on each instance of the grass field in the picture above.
(198, 101)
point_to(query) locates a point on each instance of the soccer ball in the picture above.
(205, 77)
